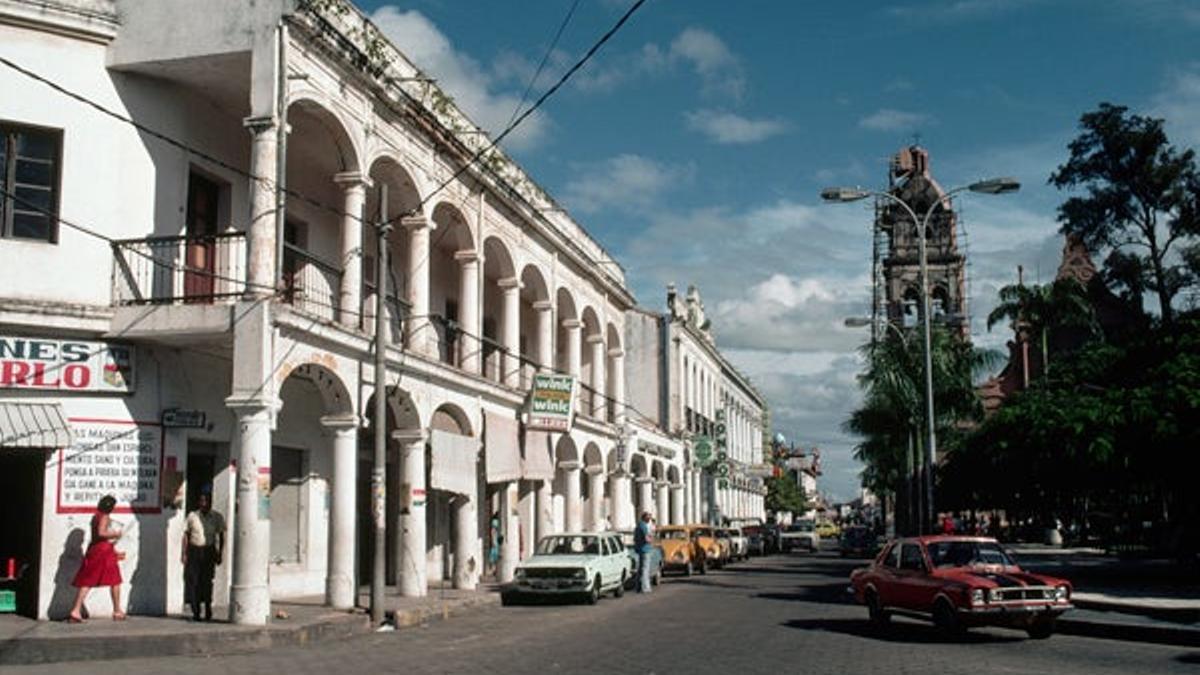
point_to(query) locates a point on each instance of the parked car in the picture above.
(801, 534)
(959, 582)
(858, 541)
(827, 529)
(657, 557)
(682, 550)
(723, 540)
(709, 545)
(756, 540)
(586, 565)
(738, 546)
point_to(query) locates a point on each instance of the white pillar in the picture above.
(574, 346)
(510, 340)
(418, 335)
(249, 595)
(617, 377)
(595, 511)
(467, 562)
(572, 506)
(260, 236)
(664, 502)
(468, 310)
(645, 488)
(411, 563)
(510, 549)
(545, 509)
(677, 504)
(622, 499)
(353, 195)
(599, 400)
(340, 586)
(545, 333)
(527, 514)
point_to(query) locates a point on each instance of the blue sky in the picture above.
(695, 144)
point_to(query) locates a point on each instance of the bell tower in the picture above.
(898, 250)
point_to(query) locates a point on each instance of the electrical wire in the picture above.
(545, 57)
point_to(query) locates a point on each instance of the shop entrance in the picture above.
(22, 475)
(201, 470)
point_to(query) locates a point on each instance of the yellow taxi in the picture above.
(706, 538)
(681, 551)
(828, 529)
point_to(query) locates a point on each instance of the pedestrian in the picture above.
(947, 524)
(494, 540)
(203, 546)
(99, 566)
(643, 539)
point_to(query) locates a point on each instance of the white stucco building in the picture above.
(222, 307)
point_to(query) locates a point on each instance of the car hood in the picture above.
(996, 577)
(557, 561)
(669, 546)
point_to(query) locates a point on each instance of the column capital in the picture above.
(677, 486)
(616, 353)
(543, 305)
(416, 222)
(661, 483)
(642, 480)
(595, 338)
(352, 179)
(410, 435)
(258, 125)
(509, 283)
(336, 423)
(466, 256)
(570, 465)
(572, 324)
(594, 470)
(249, 405)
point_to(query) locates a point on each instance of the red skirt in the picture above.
(99, 567)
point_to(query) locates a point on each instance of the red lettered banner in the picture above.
(68, 365)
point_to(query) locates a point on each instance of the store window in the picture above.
(29, 177)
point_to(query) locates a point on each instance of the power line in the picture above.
(546, 57)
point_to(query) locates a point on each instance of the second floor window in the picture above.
(29, 175)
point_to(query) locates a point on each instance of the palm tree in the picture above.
(1038, 309)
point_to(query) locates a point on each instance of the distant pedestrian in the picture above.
(947, 524)
(494, 541)
(99, 566)
(643, 540)
(203, 546)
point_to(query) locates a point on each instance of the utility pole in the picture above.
(378, 485)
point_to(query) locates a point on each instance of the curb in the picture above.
(1170, 614)
(1163, 635)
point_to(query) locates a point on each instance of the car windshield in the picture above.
(672, 534)
(702, 532)
(803, 526)
(568, 546)
(965, 553)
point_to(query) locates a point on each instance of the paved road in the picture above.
(771, 615)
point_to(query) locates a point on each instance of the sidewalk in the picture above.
(294, 622)
(1142, 600)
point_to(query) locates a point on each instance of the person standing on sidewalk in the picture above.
(643, 540)
(99, 566)
(203, 545)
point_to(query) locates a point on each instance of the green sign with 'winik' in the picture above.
(551, 402)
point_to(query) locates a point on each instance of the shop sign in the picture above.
(702, 450)
(180, 418)
(122, 458)
(551, 403)
(760, 470)
(65, 365)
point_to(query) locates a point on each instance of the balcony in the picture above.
(168, 270)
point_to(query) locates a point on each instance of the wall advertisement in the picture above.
(551, 403)
(118, 457)
(65, 365)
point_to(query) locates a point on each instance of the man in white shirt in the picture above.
(203, 546)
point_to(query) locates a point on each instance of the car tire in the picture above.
(593, 595)
(620, 589)
(508, 599)
(946, 619)
(1041, 629)
(687, 571)
(879, 616)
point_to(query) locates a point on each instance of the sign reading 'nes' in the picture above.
(551, 403)
(71, 365)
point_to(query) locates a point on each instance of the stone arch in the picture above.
(450, 240)
(673, 475)
(567, 329)
(638, 466)
(308, 115)
(566, 504)
(329, 385)
(595, 490)
(499, 279)
(592, 362)
(452, 419)
(656, 470)
(536, 322)
(403, 198)
(448, 556)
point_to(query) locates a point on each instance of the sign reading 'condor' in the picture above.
(551, 403)
(69, 365)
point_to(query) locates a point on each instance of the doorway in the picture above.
(201, 248)
(22, 475)
(201, 471)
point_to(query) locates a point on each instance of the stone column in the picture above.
(664, 502)
(249, 595)
(354, 189)
(418, 332)
(616, 377)
(595, 512)
(468, 311)
(545, 333)
(510, 340)
(545, 509)
(260, 235)
(527, 514)
(340, 588)
(677, 504)
(622, 499)
(510, 552)
(411, 562)
(574, 346)
(599, 400)
(572, 506)
(467, 562)
(645, 488)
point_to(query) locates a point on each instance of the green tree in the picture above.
(784, 494)
(1039, 309)
(1139, 196)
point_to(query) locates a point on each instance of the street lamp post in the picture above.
(993, 186)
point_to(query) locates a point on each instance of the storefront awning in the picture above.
(502, 453)
(538, 463)
(33, 425)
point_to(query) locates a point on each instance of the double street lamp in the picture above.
(991, 186)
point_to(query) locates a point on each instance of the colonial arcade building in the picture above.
(194, 232)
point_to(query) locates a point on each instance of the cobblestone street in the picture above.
(776, 614)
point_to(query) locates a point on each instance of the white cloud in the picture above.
(730, 128)
(888, 119)
(622, 183)
(957, 10)
(1178, 102)
(459, 75)
(712, 60)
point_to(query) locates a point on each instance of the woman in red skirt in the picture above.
(99, 563)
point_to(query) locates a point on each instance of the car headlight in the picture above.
(1061, 593)
(993, 595)
(580, 574)
(976, 596)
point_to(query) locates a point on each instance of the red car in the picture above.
(959, 582)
